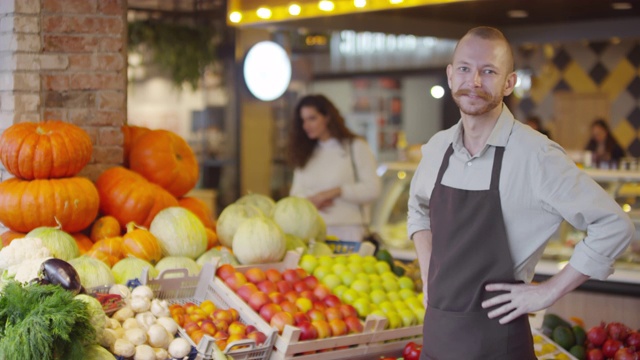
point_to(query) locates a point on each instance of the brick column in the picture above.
(66, 60)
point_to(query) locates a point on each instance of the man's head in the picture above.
(481, 72)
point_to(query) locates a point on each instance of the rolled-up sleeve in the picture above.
(367, 188)
(418, 204)
(583, 203)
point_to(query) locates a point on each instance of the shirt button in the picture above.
(469, 163)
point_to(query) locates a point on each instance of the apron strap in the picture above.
(445, 163)
(497, 167)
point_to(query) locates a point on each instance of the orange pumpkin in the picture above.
(141, 243)
(83, 241)
(105, 227)
(128, 197)
(166, 159)
(26, 205)
(8, 236)
(212, 238)
(45, 150)
(110, 246)
(131, 135)
(199, 208)
(110, 260)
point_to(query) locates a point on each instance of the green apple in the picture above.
(355, 258)
(373, 306)
(406, 293)
(391, 286)
(332, 281)
(338, 290)
(420, 315)
(378, 296)
(421, 297)
(406, 282)
(395, 321)
(362, 306)
(339, 268)
(362, 276)
(399, 304)
(386, 306)
(308, 263)
(414, 303)
(355, 268)
(378, 312)
(349, 296)
(388, 276)
(369, 268)
(361, 285)
(321, 271)
(382, 266)
(408, 317)
(347, 277)
(341, 259)
(374, 277)
(393, 296)
(326, 260)
(377, 286)
(370, 259)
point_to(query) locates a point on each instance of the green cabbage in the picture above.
(131, 268)
(92, 272)
(178, 262)
(98, 317)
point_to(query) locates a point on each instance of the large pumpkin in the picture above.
(131, 135)
(128, 196)
(50, 149)
(26, 205)
(164, 158)
(199, 208)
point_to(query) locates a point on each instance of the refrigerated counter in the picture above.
(390, 212)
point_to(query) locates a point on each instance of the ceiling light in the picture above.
(294, 9)
(326, 5)
(621, 6)
(264, 13)
(517, 14)
(359, 3)
(235, 17)
(396, 1)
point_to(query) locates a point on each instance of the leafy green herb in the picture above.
(43, 322)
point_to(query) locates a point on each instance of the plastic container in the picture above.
(544, 341)
(177, 287)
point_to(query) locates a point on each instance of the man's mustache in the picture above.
(479, 93)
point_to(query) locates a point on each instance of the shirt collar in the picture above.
(499, 135)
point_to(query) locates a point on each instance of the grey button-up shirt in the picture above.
(539, 187)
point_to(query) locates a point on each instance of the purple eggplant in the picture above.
(60, 272)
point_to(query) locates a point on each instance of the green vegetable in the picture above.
(43, 322)
(98, 317)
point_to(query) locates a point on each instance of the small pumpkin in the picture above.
(83, 242)
(26, 205)
(140, 242)
(199, 208)
(128, 197)
(166, 159)
(212, 238)
(105, 227)
(44, 150)
(9, 235)
(110, 246)
(131, 135)
(110, 260)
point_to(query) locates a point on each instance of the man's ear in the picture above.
(449, 71)
(510, 84)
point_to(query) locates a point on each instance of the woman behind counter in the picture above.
(603, 146)
(324, 154)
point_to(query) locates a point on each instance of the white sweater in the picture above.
(329, 167)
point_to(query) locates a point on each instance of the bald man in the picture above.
(487, 195)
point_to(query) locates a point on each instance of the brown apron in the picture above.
(470, 250)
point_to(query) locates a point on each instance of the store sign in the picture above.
(352, 51)
(367, 43)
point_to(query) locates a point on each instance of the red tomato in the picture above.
(412, 351)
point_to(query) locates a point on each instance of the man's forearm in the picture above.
(423, 245)
(564, 282)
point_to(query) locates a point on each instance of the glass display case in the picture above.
(389, 219)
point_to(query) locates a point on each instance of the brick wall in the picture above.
(66, 59)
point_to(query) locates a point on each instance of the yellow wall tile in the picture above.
(578, 79)
(618, 79)
(624, 133)
(544, 82)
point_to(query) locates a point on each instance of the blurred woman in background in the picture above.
(333, 168)
(606, 151)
